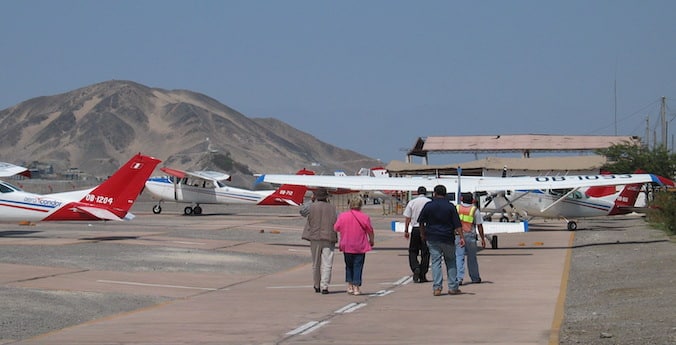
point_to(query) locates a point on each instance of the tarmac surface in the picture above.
(242, 275)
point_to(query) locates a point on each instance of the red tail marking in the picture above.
(288, 194)
(627, 198)
(117, 194)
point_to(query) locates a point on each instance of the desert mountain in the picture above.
(99, 127)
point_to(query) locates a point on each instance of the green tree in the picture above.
(626, 158)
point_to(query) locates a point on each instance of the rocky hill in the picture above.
(98, 127)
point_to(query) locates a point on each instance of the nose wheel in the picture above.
(157, 209)
(572, 226)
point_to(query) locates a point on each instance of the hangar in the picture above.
(584, 163)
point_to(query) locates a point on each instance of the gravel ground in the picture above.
(622, 285)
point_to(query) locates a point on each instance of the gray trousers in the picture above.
(322, 262)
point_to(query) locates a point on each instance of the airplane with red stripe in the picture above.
(111, 200)
(211, 187)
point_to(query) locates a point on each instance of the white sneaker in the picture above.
(355, 290)
(350, 289)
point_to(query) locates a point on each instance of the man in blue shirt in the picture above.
(439, 224)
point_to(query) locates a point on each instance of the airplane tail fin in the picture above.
(288, 194)
(626, 199)
(119, 191)
(113, 198)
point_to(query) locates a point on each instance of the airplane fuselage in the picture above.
(17, 205)
(163, 188)
(577, 205)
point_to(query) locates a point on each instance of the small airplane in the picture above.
(570, 185)
(209, 187)
(111, 200)
(600, 200)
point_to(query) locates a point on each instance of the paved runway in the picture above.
(242, 275)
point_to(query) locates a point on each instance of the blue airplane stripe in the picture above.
(580, 203)
(229, 195)
(26, 204)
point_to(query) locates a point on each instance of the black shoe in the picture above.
(416, 275)
(317, 289)
(460, 282)
(325, 292)
(476, 281)
(423, 279)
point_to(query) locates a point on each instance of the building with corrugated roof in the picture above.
(585, 163)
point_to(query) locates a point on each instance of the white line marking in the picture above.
(184, 242)
(381, 293)
(358, 306)
(404, 280)
(297, 286)
(312, 329)
(307, 328)
(342, 310)
(302, 328)
(156, 285)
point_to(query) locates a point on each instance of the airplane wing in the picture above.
(7, 170)
(204, 175)
(468, 183)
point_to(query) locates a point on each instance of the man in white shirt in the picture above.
(416, 246)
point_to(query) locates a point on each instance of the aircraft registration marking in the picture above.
(580, 177)
(100, 199)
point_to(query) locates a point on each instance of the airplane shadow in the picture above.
(568, 247)
(108, 238)
(18, 233)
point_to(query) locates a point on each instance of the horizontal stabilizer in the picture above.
(100, 213)
(489, 227)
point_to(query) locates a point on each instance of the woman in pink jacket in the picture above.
(356, 238)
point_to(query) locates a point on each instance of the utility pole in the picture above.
(647, 132)
(663, 119)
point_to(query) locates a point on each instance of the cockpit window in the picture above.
(7, 188)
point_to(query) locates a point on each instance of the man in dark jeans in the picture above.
(416, 245)
(439, 225)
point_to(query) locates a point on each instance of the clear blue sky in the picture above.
(370, 76)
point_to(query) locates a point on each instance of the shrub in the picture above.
(662, 211)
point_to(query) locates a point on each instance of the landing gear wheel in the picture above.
(187, 211)
(197, 210)
(157, 209)
(572, 226)
(504, 219)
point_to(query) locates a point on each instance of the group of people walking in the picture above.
(439, 232)
(322, 228)
(444, 232)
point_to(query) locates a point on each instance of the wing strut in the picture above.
(560, 199)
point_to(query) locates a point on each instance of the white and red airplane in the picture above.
(210, 187)
(111, 200)
(569, 203)
(568, 187)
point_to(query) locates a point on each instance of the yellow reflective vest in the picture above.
(466, 214)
